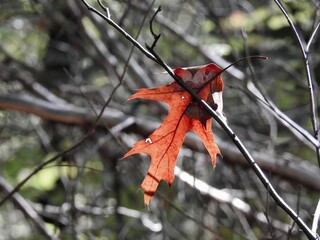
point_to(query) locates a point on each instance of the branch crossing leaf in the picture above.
(184, 115)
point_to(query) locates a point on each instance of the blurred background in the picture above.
(60, 64)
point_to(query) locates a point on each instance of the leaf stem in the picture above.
(230, 65)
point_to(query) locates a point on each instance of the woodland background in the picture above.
(59, 64)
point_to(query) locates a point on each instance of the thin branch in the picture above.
(268, 218)
(316, 218)
(106, 9)
(314, 33)
(236, 73)
(155, 36)
(304, 47)
(152, 224)
(223, 197)
(293, 27)
(297, 130)
(120, 30)
(187, 215)
(230, 66)
(25, 208)
(298, 207)
(27, 80)
(153, 56)
(281, 203)
(245, 225)
(89, 134)
(305, 174)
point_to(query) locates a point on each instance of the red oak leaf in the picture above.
(163, 144)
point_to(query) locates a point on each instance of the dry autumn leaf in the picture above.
(184, 115)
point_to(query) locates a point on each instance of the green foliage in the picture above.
(24, 158)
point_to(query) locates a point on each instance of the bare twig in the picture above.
(29, 83)
(316, 218)
(89, 134)
(187, 215)
(245, 225)
(176, 30)
(106, 9)
(52, 160)
(314, 33)
(237, 204)
(243, 150)
(304, 47)
(25, 208)
(307, 175)
(270, 228)
(155, 36)
(153, 225)
(298, 209)
(297, 130)
(86, 136)
(287, 122)
(150, 53)
(120, 30)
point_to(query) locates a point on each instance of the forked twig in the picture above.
(305, 47)
(155, 36)
(150, 53)
(106, 9)
(314, 33)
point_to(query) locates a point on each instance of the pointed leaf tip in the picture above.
(164, 144)
(147, 197)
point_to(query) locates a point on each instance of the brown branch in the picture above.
(69, 113)
(304, 173)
